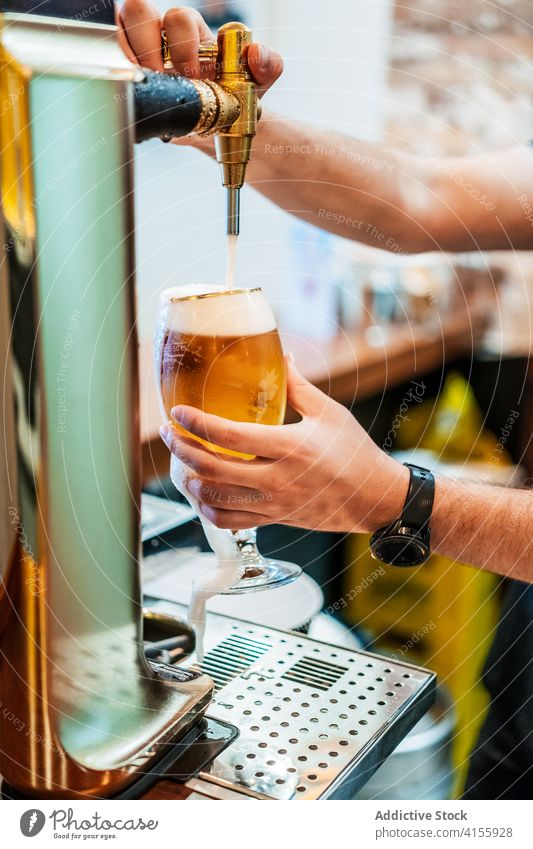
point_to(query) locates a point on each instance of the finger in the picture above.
(143, 30)
(207, 464)
(123, 39)
(185, 28)
(265, 65)
(270, 441)
(233, 520)
(305, 398)
(224, 497)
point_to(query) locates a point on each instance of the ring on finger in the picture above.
(165, 52)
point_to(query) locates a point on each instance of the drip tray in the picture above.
(315, 720)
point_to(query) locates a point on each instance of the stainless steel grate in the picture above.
(315, 673)
(232, 656)
(315, 720)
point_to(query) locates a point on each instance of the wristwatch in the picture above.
(406, 542)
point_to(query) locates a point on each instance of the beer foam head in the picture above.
(243, 312)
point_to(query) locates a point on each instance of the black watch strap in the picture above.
(420, 496)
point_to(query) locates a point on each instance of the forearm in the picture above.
(362, 191)
(485, 526)
(391, 199)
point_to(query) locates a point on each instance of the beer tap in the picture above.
(233, 144)
(228, 108)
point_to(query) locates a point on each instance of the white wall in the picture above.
(335, 57)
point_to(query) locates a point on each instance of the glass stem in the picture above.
(247, 542)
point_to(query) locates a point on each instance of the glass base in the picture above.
(264, 574)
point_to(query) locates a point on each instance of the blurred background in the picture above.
(370, 327)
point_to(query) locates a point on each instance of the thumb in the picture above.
(303, 397)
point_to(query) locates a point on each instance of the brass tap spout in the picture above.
(227, 108)
(233, 143)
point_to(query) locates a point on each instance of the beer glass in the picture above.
(219, 350)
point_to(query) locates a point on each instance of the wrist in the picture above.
(390, 493)
(452, 509)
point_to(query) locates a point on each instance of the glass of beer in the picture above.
(219, 350)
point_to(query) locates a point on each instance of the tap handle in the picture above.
(229, 51)
(233, 41)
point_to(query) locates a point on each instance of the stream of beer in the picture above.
(232, 260)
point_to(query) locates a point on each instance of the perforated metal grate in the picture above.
(314, 719)
(231, 657)
(315, 673)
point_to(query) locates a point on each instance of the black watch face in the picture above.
(400, 551)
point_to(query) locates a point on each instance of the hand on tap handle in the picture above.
(140, 29)
(238, 70)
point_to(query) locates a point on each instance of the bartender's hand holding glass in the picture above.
(323, 472)
(140, 30)
(220, 351)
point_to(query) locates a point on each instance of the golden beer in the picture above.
(220, 352)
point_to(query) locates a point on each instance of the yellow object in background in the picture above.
(450, 426)
(442, 614)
